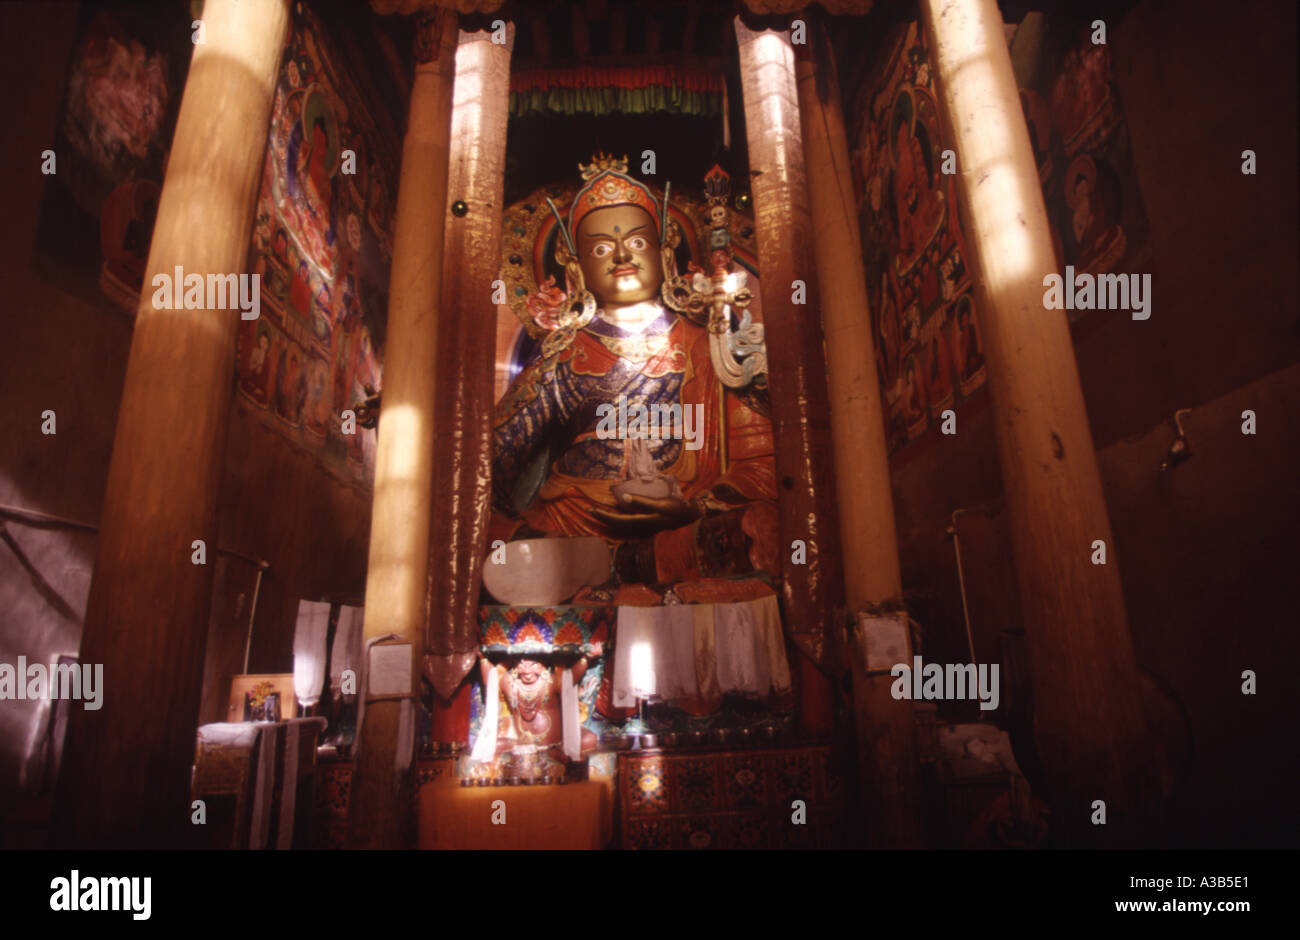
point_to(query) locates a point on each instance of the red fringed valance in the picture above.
(687, 79)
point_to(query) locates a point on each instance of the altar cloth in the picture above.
(683, 651)
(572, 816)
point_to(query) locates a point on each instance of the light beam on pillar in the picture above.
(885, 726)
(381, 808)
(1089, 726)
(126, 768)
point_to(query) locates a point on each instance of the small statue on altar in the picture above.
(531, 725)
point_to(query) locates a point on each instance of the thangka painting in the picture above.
(929, 351)
(112, 138)
(322, 241)
(1081, 146)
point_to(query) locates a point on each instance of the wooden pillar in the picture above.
(812, 593)
(869, 543)
(466, 370)
(126, 767)
(381, 811)
(1089, 726)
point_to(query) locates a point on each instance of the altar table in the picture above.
(572, 816)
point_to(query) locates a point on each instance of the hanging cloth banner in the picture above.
(600, 91)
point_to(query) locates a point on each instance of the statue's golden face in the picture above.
(618, 250)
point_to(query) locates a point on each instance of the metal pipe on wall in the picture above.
(961, 581)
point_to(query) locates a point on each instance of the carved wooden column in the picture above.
(885, 728)
(471, 261)
(381, 812)
(126, 768)
(1089, 726)
(812, 593)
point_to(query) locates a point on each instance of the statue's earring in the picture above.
(580, 311)
(677, 291)
(582, 306)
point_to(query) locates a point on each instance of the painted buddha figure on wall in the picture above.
(621, 428)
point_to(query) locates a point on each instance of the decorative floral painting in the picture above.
(114, 131)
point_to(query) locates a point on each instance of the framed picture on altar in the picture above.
(263, 697)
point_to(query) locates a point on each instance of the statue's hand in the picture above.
(645, 515)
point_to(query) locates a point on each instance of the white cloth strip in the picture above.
(309, 650)
(485, 746)
(346, 651)
(569, 715)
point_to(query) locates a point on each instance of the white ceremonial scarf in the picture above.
(346, 651)
(485, 746)
(737, 651)
(768, 615)
(309, 650)
(706, 652)
(569, 715)
(674, 652)
(634, 670)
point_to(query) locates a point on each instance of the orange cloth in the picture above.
(573, 816)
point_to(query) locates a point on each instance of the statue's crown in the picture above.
(601, 162)
(608, 184)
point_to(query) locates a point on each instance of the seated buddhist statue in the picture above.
(643, 420)
(531, 723)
